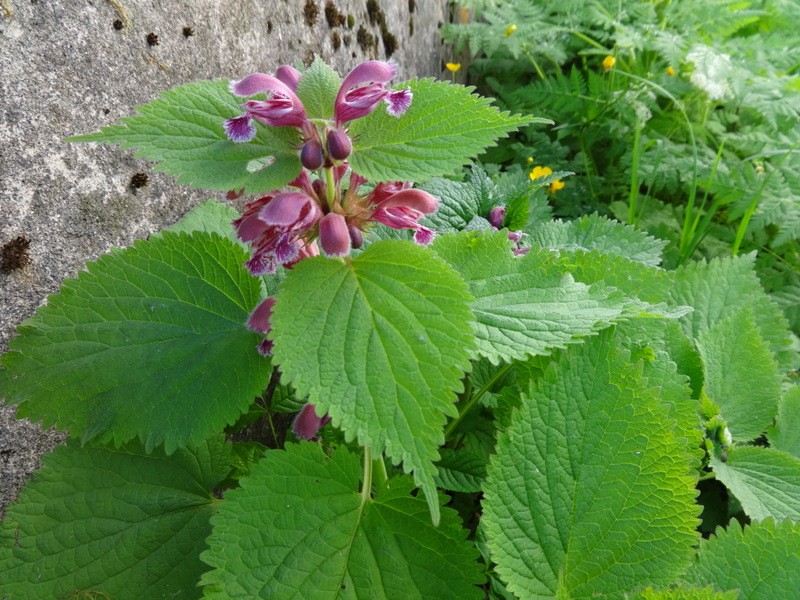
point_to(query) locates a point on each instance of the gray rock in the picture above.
(67, 68)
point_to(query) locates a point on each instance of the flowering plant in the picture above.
(430, 332)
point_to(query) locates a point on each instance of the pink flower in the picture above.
(307, 424)
(259, 321)
(401, 208)
(334, 235)
(364, 88)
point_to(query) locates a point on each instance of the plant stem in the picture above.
(634, 193)
(380, 475)
(478, 395)
(366, 487)
(330, 184)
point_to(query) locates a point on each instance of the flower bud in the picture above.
(311, 155)
(496, 216)
(356, 237)
(307, 424)
(334, 236)
(339, 144)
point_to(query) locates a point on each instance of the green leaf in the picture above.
(594, 232)
(766, 481)
(318, 88)
(683, 593)
(298, 528)
(590, 492)
(716, 288)
(741, 377)
(149, 342)
(524, 305)
(183, 130)
(116, 523)
(762, 562)
(785, 435)
(210, 216)
(461, 471)
(380, 343)
(445, 127)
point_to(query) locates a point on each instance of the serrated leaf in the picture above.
(116, 523)
(590, 491)
(595, 232)
(524, 305)
(785, 435)
(461, 471)
(444, 128)
(762, 562)
(741, 377)
(391, 333)
(209, 216)
(183, 131)
(317, 89)
(716, 288)
(459, 203)
(149, 342)
(298, 528)
(766, 481)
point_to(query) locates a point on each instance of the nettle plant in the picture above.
(499, 405)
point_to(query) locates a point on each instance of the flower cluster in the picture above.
(327, 207)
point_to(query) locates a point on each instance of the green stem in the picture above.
(634, 193)
(380, 476)
(331, 186)
(366, 488)
(535, 65)
(474, 400)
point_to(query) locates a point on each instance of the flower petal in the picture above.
(285, 209)
(398, 101)
(334, 236)
(259, 319)
(289, 75)
(240, 129)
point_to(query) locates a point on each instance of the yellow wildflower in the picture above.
(510, 29)
(670, 71)
(555, 186)
(608, 62)
(529, 160)
(538, 172)
(453, 67)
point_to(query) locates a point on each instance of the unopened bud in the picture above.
(339, 144)
(496, 216)
(334, 236)
(311, 155)
(356, 237)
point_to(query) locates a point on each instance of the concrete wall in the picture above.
(71, 66)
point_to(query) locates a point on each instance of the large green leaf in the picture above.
(380, 343)
(299, 529)
(183, 130)
(594, 232)
(149, 342)
(524, 305)
(318, 88)
(444, 128)
(716, 288)
(764, 480)
(112, 524)
(785, 435)
(591, 491)
(762, 562)
(683, 593)
(741, 377)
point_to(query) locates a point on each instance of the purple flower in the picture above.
(281, 109)
(496, 216)
(259, 321)
(307, 424)
(364, 88)
(334, 235)
(401, 208)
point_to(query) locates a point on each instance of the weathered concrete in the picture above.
(65, 69)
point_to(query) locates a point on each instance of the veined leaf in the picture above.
(298, 528)
(461, 471)
(524, 305)
(183, 130)
(380, 343)
(716, 288)
(594, 232)
(444, 128)
(766, 481)
(683, 593)
(210, 216)
(741, 377)
(590, 492)
(117, 523)
(318, 88)
(149, 342)
(785, 435)
(762, 562)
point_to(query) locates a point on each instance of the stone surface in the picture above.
(69, 67)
